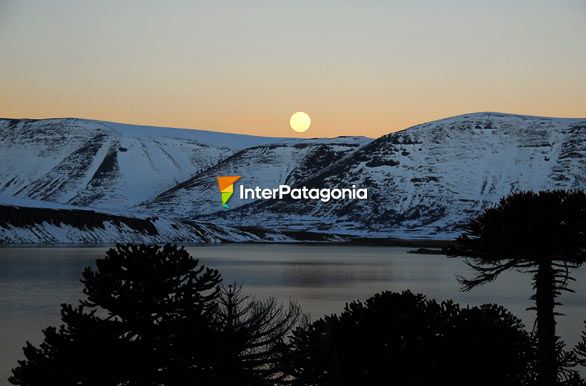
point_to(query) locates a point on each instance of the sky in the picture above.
(356, 67)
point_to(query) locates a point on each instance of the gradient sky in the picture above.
(357, 67)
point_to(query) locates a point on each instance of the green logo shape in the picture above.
(226, 184)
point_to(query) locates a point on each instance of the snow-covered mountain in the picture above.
(425, 181)
(103, 164)
(284, 162)
(24, 221)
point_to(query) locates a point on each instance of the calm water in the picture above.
(34, 281)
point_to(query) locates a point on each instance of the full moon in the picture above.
(300, 122)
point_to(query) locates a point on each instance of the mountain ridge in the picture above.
(413, 169)
(423, 181)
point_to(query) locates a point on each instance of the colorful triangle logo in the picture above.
(226, 184)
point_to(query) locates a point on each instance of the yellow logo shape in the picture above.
(226, 184)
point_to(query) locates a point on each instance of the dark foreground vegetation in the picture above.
(154, 316)
(543, 234)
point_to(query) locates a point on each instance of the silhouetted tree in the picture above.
(154, 316)
(580, 349)
(252, 335)
(84, 350)
(404, 339)
(541, 233)
(146, 321)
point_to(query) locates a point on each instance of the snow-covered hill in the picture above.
(284, 162)
(38, 222)
(426, 180)
(423, 182)
(104, 164)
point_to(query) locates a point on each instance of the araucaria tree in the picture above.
(154, 316)
(145, 321)
(251, 337)
(541, 233)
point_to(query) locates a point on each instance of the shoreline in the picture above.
(362, 241)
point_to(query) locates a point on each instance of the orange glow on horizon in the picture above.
(357, 68)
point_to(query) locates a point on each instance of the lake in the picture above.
(322, 278)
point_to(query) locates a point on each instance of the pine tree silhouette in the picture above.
(146, 321)
(580, 349)
(154, 316)
(541, 233)
(252, 337)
